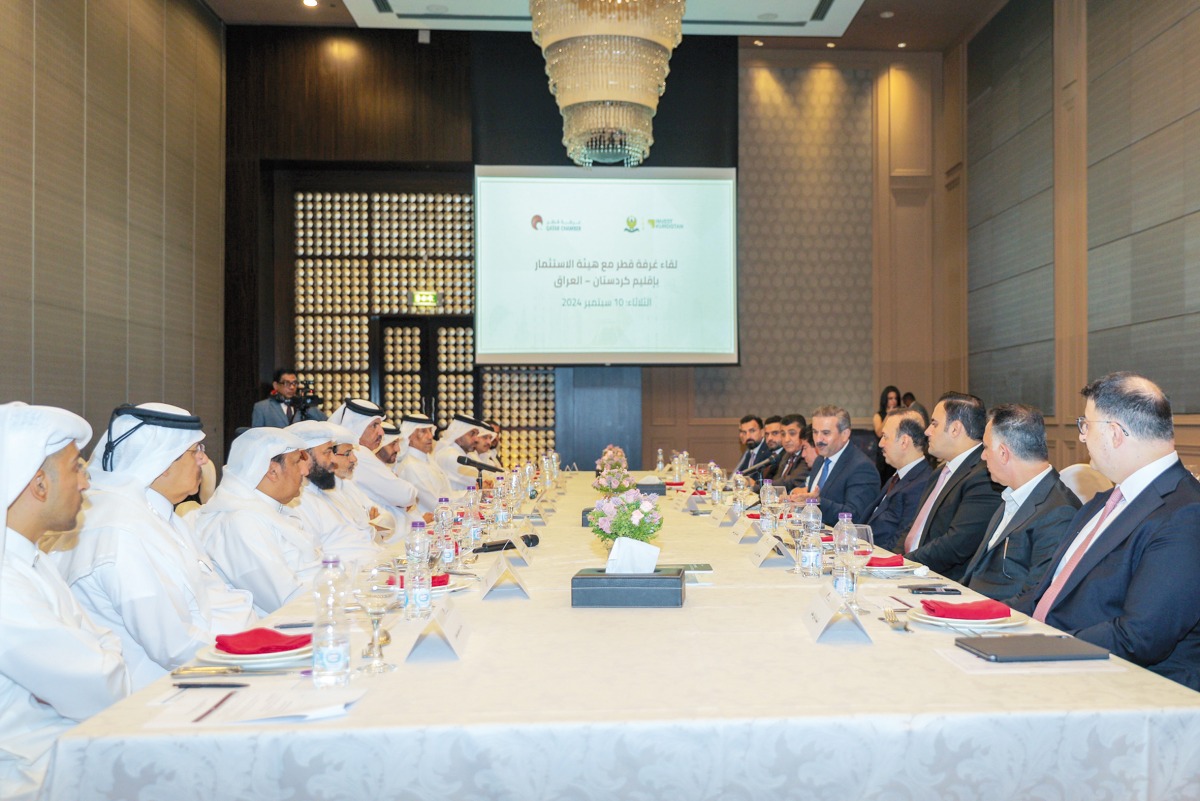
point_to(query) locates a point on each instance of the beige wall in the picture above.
(111, 197)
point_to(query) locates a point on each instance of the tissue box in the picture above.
(594, 587)
(587, 512)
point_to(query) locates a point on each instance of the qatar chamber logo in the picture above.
(554, 224)
(536, 222)
(631, 225)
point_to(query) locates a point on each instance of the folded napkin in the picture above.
(975, 610)
(886, 561)
(826, 538)
(674, 483)
(699, 492)
(261, 641)
(440, 580)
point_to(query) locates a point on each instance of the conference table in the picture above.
(727, 697)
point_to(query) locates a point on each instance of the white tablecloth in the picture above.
(725, 698)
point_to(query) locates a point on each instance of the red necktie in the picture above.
(1051, 595)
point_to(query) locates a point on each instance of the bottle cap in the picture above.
(443, 500)
(419, 524)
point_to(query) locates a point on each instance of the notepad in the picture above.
(1031, 648)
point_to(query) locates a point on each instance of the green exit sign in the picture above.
(422, 299)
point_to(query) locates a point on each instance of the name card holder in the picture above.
(502, 578)
(746, 527)
(444, 634)
(829, 620)
(770, 550)
(722, 515)
(696, 503)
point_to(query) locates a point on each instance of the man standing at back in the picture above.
(1025, 531)
(960, 499)
(1124, 576)
(284, 406)
(843, 479)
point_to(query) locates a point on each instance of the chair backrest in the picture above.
(1084, 480)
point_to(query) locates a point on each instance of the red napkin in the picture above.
(699, 492)
(886, 561)
(673, 483)
(261, 641)
(975, 610)
(438, 581)
(826, 538)
(753, 515)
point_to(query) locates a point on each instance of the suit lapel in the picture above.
(818, 465)
(955, 479)
(983, 548)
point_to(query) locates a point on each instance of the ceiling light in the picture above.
(758, 42)
(902, 44)
(310, 3)
(607, 64)
(830, 45)
(887, 14)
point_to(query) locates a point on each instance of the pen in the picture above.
(215, 706)
(214, 685)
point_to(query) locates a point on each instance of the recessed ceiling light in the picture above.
(830, 45)
(887, 14)
(310, 3)
(758, 42)
(902, 44)
(768, 17)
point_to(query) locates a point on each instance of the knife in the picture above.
(232, 670)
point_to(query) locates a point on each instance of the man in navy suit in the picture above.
(843, 478)
(792, 470)
(960, 499)
(903, 444)
(750, 434)
(1124, 577)
(1025, 531)
(283, 408)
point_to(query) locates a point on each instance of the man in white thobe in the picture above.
(373, 477)
(136, 566)
(57, 667)
(458, 440)
(256, 540)
(341, 533)
(416, 466)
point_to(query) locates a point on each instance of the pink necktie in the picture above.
(914, 533)
(1051, 595)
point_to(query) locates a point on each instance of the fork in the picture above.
(889, 617)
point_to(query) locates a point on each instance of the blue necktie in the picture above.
(824, 474)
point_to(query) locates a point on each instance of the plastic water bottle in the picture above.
(660, 466)
(768, 498)
(739, 495)
(472, 497)
(442, 517)
(417, 580)
(331, 630)
(810, 539)
(843, 577)
(501, 511)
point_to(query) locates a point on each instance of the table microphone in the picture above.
(469, 462)
(530, 540)
(772, 459)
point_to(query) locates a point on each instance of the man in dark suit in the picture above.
(843, 478)
(1025, 531)
(1124, 577)
(903, 445)
(283, 407)
(750, 434)
(792, 470)
(960, 499)
(773, 438)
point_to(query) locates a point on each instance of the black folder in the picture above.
(1031, 648)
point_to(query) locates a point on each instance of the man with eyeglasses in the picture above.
(1026, 530)
(285, 404)
(136, 566)
(1124, 577)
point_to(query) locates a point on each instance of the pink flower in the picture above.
(636, 517)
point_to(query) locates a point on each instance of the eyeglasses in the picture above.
(1082, 424)
(197, 448)
(292, 383)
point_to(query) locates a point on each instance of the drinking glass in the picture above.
(376, 587)
(852, 548)
(795, 527)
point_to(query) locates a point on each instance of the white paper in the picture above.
(219, 707)
(632, 556)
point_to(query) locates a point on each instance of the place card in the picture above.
(722, 515)
(746, 527)
(678, 501)
(829, 620)
(443, 634)
(501, 576)
(696, 503)
(769, 549)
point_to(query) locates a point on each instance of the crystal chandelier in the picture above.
(607, 63)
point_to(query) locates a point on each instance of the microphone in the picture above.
(754, 468)
(530, 541)
(469, 462)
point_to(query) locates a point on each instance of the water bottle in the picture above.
(768, 498)
(660, 465)
(514, 486)
(810, 539)
(447, 548)
(739, 495)
(502, 512)
(843, 576)
(472, 497)
(442, 519)
(717, 492)
(331, 630)
(417, 580)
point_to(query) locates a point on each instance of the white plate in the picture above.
(213, 655)
(907, 567)
(920, 616)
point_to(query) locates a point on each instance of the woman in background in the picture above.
(888, 399)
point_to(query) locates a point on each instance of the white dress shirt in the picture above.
(1013, 498)
(342, 534)
(381, 484)
(136, 571)
(57, 667)
(445, 456)
(429, 479)
(258, 544)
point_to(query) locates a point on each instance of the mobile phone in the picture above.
(936, 591)
(919, 586)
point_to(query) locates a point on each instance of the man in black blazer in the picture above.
(750, 434)
(960, 499)
(1025, 531)
(773, 439)
(903, 445)
(792, 470)
(843, 478)
(1125, 575)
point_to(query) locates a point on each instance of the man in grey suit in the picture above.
(283, 407)
(1025, 532)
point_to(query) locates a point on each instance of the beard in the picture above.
(322, 477)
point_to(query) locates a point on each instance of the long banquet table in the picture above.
(728, 697)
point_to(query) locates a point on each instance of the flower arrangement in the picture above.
(612, 457)
(614, 481)
(630, 514)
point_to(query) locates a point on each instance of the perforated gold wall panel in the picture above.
(521, 400)
(429, 239)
